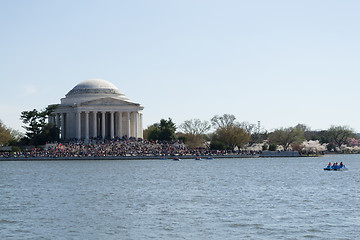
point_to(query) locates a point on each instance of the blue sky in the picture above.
(278, 62)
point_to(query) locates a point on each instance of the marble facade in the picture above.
(97, 109)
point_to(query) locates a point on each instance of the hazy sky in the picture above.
(278, 62)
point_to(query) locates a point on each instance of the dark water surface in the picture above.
(287, 198)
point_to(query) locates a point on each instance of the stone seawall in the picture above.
(280, 154)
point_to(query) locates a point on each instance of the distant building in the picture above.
(97, 109)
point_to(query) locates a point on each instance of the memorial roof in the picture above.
(94, 86)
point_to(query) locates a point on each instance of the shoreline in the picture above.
(124, 158)
(203, 157)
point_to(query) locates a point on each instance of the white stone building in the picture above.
(97, 109)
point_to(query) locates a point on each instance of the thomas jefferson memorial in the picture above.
(97, 109)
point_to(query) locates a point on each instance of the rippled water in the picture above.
(265, 198)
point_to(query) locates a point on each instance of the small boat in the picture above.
(209, 158)
(335, 168)
(163, 158)
(198, 158)
(176, 159)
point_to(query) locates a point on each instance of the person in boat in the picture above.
(329, 165)
(341, 164)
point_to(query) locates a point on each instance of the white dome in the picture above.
(95, 86)
(92, 89)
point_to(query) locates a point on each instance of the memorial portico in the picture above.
(97, 109)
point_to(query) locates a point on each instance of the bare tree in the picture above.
(223, 121)
(194, 131)
(248, 127)
(195, 126)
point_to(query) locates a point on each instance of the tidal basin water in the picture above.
(264, 198)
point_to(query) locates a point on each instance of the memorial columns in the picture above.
(78, 125)
(119, 129)
(136, 124)
(94, 124)
(103, 125)
(128, 124)
(141, 126)
(112, 128)
(86, 125)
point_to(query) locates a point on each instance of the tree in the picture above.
(38, 131)
(5, 135)
(313, 146)
(316, 135)
(286, 136)
(272, 147)
(257, 134)
(152, 132)
(338, 135)
(353, 142)
(34, 123)
(223, 121)
(192, 140)
(303, 127)
(195, 127)
(165, 131)
(194, 132)
(228, 132)
(48, 133)
(16, 136)
(231, 136)
(8, 136)
(217, 145)
(249, 127)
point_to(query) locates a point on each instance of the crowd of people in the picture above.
(336, 165)
(113, 148)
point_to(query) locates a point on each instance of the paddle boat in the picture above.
(176, 159)
(209, 158)
(335, 167)
(198, 158)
